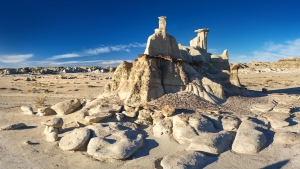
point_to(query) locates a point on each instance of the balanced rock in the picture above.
(46, 111)
(211, 143)
(183, 160)
(27, 110)
(66, 107)
(13, 126)
(249, 138)
(185, 127)
(287, 138)
(75, 140)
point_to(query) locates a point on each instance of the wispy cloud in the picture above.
(100, 50)
(68, 55)
(271, 52)
(14, 58)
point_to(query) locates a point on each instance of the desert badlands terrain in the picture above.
(173, 107)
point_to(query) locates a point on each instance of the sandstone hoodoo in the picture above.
(168, 67)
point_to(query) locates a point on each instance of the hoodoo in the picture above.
(168, 67)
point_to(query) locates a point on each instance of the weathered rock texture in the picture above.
(165, 69)
(183, 160)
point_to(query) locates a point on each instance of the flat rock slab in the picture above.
(262, 107)
(117, 145)
(211, 143)
(66, 107)
(105, 108)
(13, 126)
(277, 120)
(282, 109)
(185, 127)
(75, 140)
(286, 138)
(183, 160)
(249, 140)
(105, 129)
(54, 122)
(97, 117)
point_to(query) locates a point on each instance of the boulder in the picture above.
(183, 160)
(66, 107)
(287, 138)
(27, 110)
(105, 108)
(230, 123)
(211, 143)
(75, 139)
(185, 127)
(46, 111)
(162, 127)
(54, 122)
(105, 129)
(117, 145)
(144, 117)
(13, 126)
(249, 138)
(168, 111)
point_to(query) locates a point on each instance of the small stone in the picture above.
(168, 111)
(119, 116)
(27, 110)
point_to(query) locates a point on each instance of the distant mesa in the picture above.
(168, 67)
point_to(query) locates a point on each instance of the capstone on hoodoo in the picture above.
(168, 67)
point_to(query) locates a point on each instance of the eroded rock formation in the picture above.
(167, 67)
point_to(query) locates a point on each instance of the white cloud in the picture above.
(97, 51)
(68, 55)
(113, 62)
(271, 52)
(114, 48)
(14, 58)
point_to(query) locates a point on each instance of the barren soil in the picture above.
(15, 91)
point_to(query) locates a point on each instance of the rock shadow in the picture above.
(148, 145)
(279, 164)
(27, 127)
(185, 111)
(292, 90)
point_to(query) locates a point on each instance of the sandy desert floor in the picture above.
(15, 91)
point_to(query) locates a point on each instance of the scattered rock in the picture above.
(131, 114)
(27, 110)
(75, 140)
(120, 116)
(230, 123)
(105, 108)
(183, 160)
(212, 143)
(51, 133)
(105, 129)
(144, 117)
(66, 107)
(264, 90)
(13, 126)
(46, 111)
(277, 120)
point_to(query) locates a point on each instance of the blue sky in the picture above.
(105, 32)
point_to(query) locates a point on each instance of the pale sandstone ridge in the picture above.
(167, 67)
